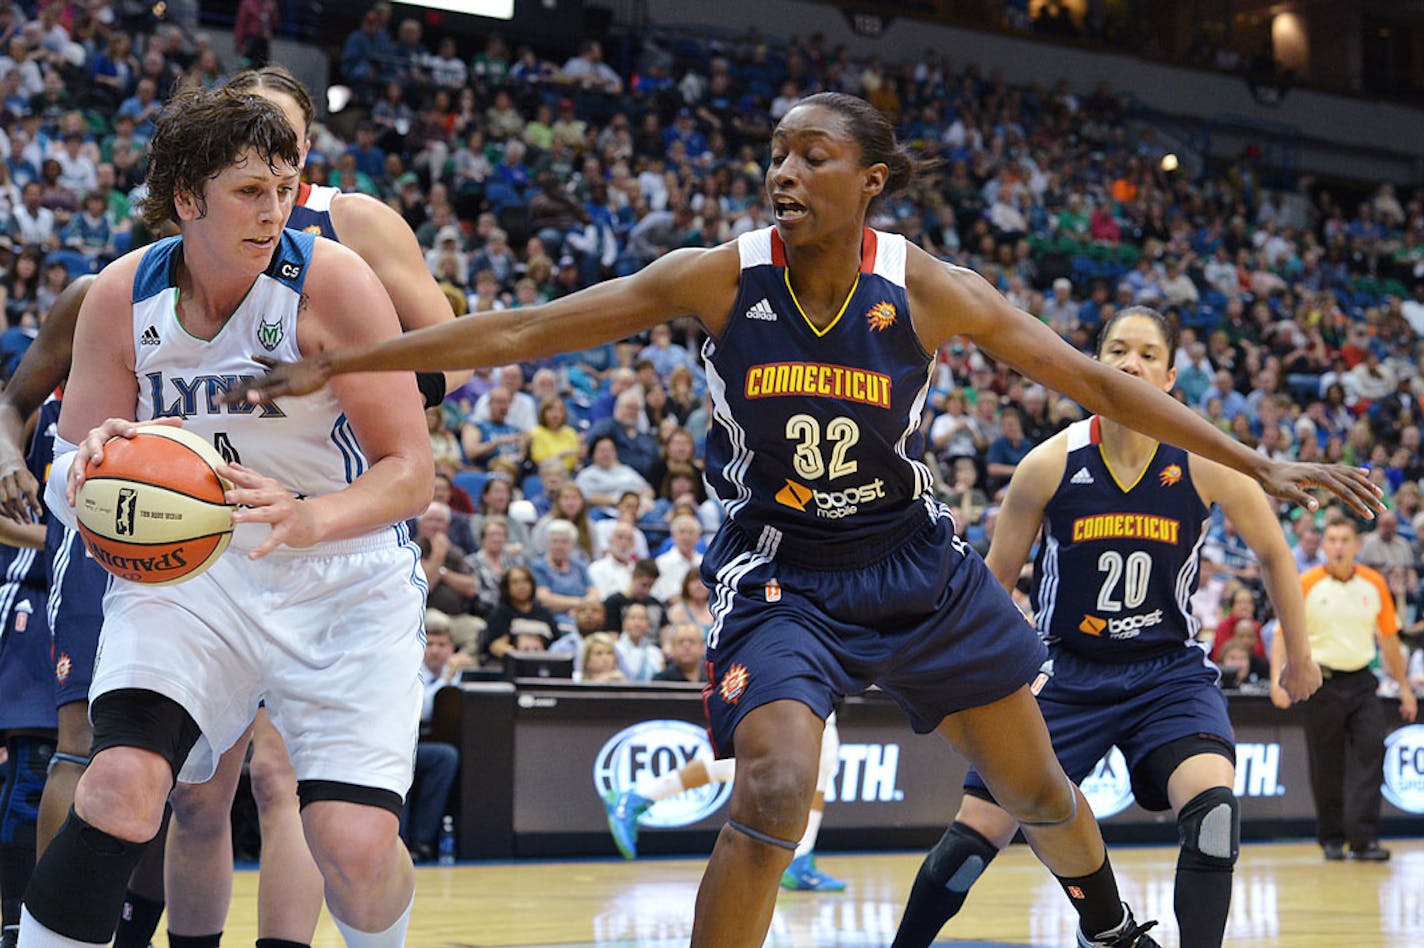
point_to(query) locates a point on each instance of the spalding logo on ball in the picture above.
(153, 512)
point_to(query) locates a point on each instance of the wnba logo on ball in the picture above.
(652, 749)
(1109, 787)
(1404, 768)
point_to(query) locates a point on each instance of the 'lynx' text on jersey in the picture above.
(818, 430)
(1118, 562)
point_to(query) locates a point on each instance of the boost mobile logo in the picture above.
(652, 749)
(1404, 768)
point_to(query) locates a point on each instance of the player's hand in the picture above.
(1300, 680)
(1408, 704)
(1288, 480)
(19, 491)
(282, 378)
(1279, 697)
(261, 499)
(91, 449)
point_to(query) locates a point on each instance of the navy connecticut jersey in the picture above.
(312, 213)
(1118, 562)
(26, 567)
(26, 647)
(816, 432)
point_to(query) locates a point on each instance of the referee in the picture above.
(1348, 610)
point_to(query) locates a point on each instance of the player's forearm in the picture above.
(1151, 411)
(592, 317)
(397, 487)
(26, 535)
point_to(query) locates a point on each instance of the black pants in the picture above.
(1344, 735)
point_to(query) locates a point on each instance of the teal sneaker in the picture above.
(803, 876)
(623, 814)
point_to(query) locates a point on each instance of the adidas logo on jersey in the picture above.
(1082, 477)
(762, 310)
(149, 337)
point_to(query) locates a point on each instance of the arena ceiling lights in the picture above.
(494, 9)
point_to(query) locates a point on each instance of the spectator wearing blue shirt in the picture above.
(370, 159)
(636, 448)
(367, 55)
(1007, 450)
(1233, 403)
(143, 107)
(666, 355)
(684, 129)
(89, 231)
(561, 583)
(494, 436)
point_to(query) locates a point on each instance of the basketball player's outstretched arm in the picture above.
(700, 283)
(1248, 510)
(948, 301)
(40, 372)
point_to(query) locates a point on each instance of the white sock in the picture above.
(808, 838)
(35, 935)
(670, 785)
(393, 937)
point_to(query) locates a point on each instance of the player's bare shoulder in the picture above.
(361, 221)
(944, 297)
(697, 281)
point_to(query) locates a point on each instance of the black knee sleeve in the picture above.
(1209, 828)
(959, 857)
(77, 889)
(136, 717)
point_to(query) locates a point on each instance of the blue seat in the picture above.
(472, 483)
(74, 262)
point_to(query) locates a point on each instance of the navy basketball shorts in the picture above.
(1140, 706)
(926, 622)
(26, 697)
(76, 613)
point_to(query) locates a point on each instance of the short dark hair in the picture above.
(646, 567)
(274, 78)
(875, 136)
(201, 133)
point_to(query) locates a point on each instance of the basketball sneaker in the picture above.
(9, 936)
(803, 876)
(624, 811)
(1127, 935)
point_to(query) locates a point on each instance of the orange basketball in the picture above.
(153, 511)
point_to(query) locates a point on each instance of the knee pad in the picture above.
(28, 767)
(59, 757)
(82, 859)
(1209, 828)
(830, 754)
(959, 858)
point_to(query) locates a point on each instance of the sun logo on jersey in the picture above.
(62, 668)
(312, 229)
(1170, 475)
(734, 683)
(881, 316)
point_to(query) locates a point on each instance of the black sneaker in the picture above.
(1372, 852)
(1127, 935)
(9, 936)
(1334, 852)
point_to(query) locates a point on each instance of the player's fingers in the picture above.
(274, 540)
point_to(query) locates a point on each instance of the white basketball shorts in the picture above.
(332, 640)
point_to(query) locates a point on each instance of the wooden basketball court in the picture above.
(1285, 895)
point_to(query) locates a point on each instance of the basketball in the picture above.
(154, 512)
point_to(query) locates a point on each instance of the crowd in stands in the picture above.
(571, 513)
